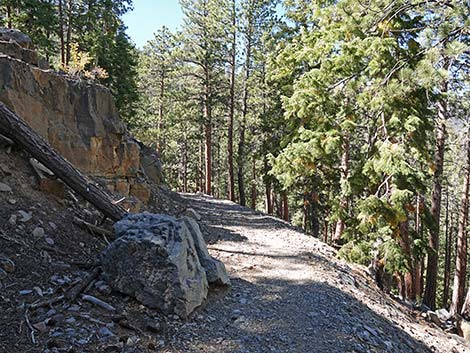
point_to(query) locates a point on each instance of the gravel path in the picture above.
(289, 294)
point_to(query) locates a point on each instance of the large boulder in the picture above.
(215, 269)
(154, 259)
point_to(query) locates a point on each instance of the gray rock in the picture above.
(9, 34)
(443, 314)
(38, 232)
(5, 188)
(154, 259)
(12, 219)
(7, 264)
(3, 274)
(215, 270)
(25, 216)
(49, 241)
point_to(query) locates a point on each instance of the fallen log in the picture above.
(13, 127)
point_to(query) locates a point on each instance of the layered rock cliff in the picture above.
(78, 118)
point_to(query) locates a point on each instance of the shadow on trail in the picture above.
(285, 316)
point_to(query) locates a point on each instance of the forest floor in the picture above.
(289, 293)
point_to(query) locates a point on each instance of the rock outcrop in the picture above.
(78, 118)
(156, 261)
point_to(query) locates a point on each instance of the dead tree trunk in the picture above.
(15, 128)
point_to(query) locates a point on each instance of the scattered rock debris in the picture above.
(288, 293)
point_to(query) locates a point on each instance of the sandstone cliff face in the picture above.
(78, 119)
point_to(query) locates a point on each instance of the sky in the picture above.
(150, 15)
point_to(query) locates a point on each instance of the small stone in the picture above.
(105, 332)
(12, 201)
(5, 188)
(12, 220)
(3, 274)
(25, 292)
(38, 232)
(7, 264)
(25, 216)
(70, 320)
(74, 308)
(49, 241)
(132, 341)
(53, 225)
(443, 314)
(243, 301)
(153, 326)
(105, 289)
(40, 326)
(38, 291)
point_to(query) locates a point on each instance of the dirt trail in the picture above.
(289, 294)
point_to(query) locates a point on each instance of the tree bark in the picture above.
(61, 32)
(254, 194)
(461, 259)
(208, 133)
(161, 109)
(15, 128)
(448, 247)
(285, 206)
(411, 284)
(69, 33)
(340, 224)
(433, 254)
(233, 55)
(241, 142)
(9, 21)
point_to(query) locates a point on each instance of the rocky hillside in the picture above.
(78, 118)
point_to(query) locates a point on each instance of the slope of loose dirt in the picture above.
(288, 294)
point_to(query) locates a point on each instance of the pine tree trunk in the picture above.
(325, 231)
(208, 134)
(185, 165)
(69, 33)
(231, 176)
(10, 22)
(161, 109)
(267, 190)
(340, 224)
(201, 163)
(411, 284)
(461, 258)
(254, 194)
(61, 32)
(241, 141)
(448, 247)
(433, 254)
(285, 206)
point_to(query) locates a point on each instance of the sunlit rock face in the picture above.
(78, 118)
